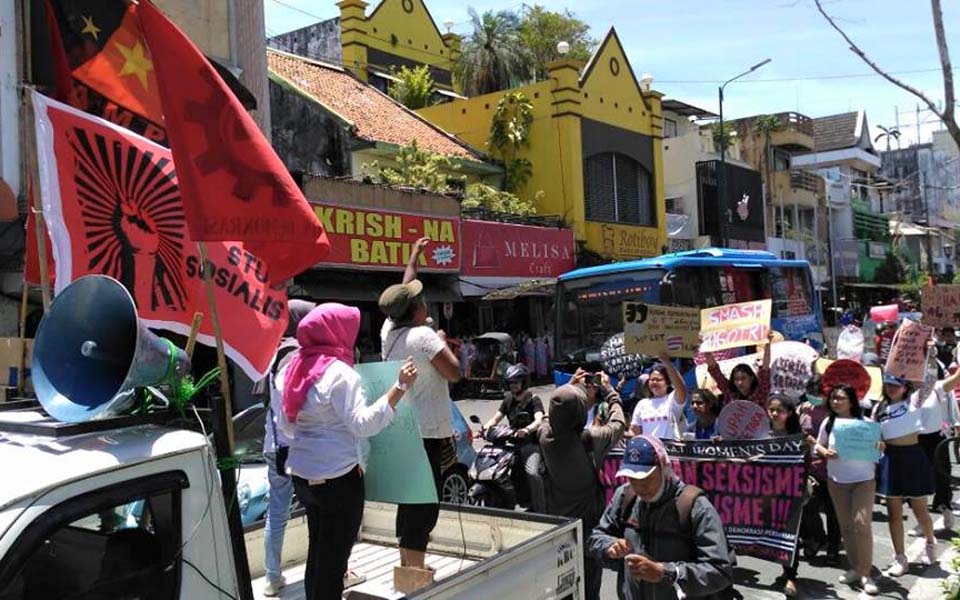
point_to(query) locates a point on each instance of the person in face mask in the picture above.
(665, 535)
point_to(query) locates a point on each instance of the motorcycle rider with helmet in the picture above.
(524, 411)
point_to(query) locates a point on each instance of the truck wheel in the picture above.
(454, 486)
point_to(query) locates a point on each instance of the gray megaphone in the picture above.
(91, 352)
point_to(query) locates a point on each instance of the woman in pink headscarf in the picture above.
(325, 411)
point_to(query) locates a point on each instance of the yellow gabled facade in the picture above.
(396, 33)
(583, 114)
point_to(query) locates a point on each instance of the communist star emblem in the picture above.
(90, 27)
(135, 62)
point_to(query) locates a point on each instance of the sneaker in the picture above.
(899, 567)
(850, 577)
(870, 587)
(948, 521)
(929, 556)
(790, 589)
(273, 587)
(916, 531)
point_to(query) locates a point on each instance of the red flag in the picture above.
(234, 185)
(113, 207)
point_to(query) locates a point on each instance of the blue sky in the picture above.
(689, 46)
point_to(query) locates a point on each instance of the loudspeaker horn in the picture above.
(91, 352)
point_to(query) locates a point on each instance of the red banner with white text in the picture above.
(113, 207)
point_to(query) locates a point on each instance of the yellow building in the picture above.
(595, 148)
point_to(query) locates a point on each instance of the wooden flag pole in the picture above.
(22, 359)
(194, 330)
(37, 208)
(222, 413)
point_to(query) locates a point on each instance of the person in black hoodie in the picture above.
(573, 455)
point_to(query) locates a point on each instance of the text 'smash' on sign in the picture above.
(940, 305)
(908, 353)
(381, 239)
(653, 330)
(735, 325)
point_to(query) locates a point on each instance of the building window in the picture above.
(781, 160)
(669, 128)
(618, 190)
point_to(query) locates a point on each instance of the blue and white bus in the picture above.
(589, 309)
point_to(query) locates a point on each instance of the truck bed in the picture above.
(468, 543)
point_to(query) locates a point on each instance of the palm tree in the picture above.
(493, 57)
(888, 132)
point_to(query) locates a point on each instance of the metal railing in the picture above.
(796, 121)
(805, 180)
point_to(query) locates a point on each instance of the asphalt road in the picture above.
(754, 578)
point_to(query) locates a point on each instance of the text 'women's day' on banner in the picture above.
(735, 325)
(398, 470)
(757, 486)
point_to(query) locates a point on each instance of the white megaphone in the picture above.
(91, 352)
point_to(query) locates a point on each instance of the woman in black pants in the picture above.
(325, 413)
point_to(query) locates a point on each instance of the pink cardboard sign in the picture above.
(735, 325)
(743, 420)
(908, 352)
(885, 314)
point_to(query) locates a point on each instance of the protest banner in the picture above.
(850, 343)
(857, 439)
(791, 366)
(653, 330)
(757, 486)
(847, 372)
(735, 325)
(743, 420)
(908, 352)
(940, 305)
(398, 470)
(888, 313)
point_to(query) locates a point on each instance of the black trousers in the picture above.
(943, 495)
(416, 521)
(334, 513)
(811, 525)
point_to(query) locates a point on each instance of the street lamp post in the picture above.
(722, 175)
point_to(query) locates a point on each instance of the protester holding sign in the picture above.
(905, 472)
(937, 412)
(747, 385)
(659, 415)
(784, 421)
(325, 413)
(852, 486)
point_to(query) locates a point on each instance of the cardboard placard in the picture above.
(888, 313)
(857, 439)
(848, 372)
(908, 352)
(735, 325)
(940, 305)
(398, 469)
(791, 367)
(652, 330)
(743, 420)
(874, 390)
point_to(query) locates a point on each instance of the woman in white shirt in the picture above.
(659, 415)
(905, 472)
(325, 410)
(852, 487)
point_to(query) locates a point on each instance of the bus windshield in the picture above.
(590, 313)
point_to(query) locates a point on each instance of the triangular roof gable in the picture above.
(610, 48)
(862, 133)
(389, 11)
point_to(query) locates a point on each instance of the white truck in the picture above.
(136, 512)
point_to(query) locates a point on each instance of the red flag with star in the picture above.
(234, 185)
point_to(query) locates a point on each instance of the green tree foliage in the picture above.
(420, 169)
(493, 57)
(509, 134)
(481, 195)
(414, 87)
(722, 137)
(541, 30)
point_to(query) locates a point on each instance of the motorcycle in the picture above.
(493, 474)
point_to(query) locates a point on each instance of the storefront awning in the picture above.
(531, 287)
(359, 286)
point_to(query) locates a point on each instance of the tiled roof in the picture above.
(835, 132)
(376, 116)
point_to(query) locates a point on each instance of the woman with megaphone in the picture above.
(325, 413)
